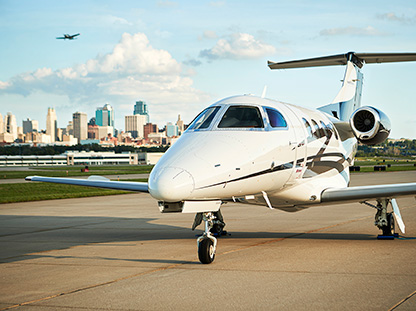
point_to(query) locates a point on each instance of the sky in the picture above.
(181, 56)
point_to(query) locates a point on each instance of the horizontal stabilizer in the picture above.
(341, 59)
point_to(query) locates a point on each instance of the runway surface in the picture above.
(120, 253)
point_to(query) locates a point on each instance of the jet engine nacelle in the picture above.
(370, 125)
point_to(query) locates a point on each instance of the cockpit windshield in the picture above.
(241, 117)
(204, 119)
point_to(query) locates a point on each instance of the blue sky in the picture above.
(181, 56)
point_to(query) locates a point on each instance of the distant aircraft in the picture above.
(259, 151)
(69, 37)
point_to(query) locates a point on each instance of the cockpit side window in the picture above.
(241, 117)
(275, 117)
(204, 119)
(316, 133)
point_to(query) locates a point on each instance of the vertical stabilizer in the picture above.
(349, 97)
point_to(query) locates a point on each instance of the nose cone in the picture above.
(171, 184)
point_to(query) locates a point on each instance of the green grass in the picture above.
(23, 192)
(68, 171)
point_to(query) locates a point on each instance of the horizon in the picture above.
(181, 56)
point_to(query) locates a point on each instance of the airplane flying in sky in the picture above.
(68, 36)
(264, 152)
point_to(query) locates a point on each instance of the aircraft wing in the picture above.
(363, 193)
(95, 181)
(60, 37)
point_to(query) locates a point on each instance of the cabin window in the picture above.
(241, 117)
(316, 132)
(324, 129)
(275, 118)
(308, 127)
(204, 119)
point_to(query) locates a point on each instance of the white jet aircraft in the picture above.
(259, 151)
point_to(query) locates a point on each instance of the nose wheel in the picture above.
(207, 243)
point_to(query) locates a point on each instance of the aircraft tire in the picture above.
(389, 229)
(206, 251)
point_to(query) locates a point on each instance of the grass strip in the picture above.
(33, 191)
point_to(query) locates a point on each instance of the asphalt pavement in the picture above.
(120, 253)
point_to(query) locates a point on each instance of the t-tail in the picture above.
(369, 125)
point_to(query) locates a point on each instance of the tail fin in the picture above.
(349, 97)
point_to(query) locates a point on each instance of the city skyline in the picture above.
(182, 56)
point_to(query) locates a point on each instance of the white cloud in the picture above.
(394, 18)
(351, 31)
(133, 70)
(238, 46)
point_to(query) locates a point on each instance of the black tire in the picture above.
(206, 252)
(389, 229)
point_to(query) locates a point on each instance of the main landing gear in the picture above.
(384, 220)
(207, 242)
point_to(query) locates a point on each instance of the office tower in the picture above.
(51, 124)
(140, 108)
(171, 130)
(150, 128)
(1, 124)
(135, 125)
(180, 125)
(79, 122)
(70, 128)
(30, 126)
(10, 125)
(104, 116)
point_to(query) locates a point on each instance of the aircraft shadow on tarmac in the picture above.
(29, 237)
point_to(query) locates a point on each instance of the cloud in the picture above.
(133, 70)
(167, 4)
(238, 46)
(209, 34)
(217, 4)
(351, 31)
(394, 18)
(190, 62)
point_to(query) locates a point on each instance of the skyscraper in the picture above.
(140, 108)
(10, 125)
(135, 125)
(171, 130)
(51, 124)
(30, 126)
(104, 116)
(79, 121)
(1, 124)
(180, 125)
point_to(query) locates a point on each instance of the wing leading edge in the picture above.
(95, 181)
(368, 192)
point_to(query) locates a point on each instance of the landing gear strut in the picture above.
(385, 221)
(207, 243)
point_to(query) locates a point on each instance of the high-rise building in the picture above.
(1, 124)
(150, 128)
(30, 126)
(104, 116)
(140, 108)
(180, 125)
(10, 125)
(135, 125)
(171, 130)
(70, 128)
(51, 124)
(79, 122)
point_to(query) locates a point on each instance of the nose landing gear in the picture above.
(207, 243)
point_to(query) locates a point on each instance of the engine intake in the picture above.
(370, 125)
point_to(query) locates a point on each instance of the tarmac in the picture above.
(120, 253)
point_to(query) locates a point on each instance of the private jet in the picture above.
(68, 36)
(259, 151)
